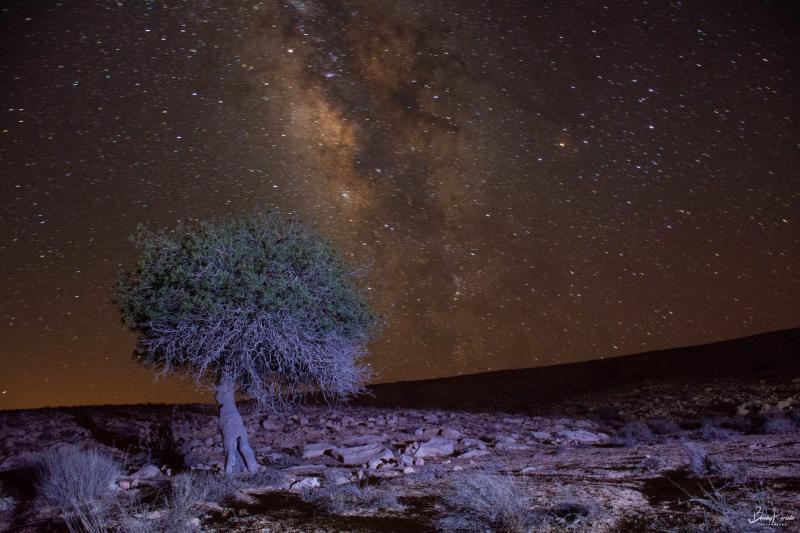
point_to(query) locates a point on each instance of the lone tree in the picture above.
(253, 303)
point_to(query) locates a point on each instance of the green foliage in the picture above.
(248, 267)
(255, 263)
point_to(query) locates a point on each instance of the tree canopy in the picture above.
(263, 300)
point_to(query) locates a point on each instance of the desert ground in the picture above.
(698, 439)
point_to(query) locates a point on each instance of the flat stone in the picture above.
(384, 473)
(305, 469)
(358, 455)
(450, 433)
(317, 449)
(511, 446)
(306, 483)
(435, 447)
(146, 472)
(583, 436)
(474, 453)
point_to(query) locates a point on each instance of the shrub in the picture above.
(69, 476)
(697, 458)
(663, 426)
(177, 510)
(731, 512)
(703, 465)
(349, 498)
(635, 432)
(712, 431)
(481, 501)
(779, 424)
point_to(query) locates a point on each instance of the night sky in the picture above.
(532, 182)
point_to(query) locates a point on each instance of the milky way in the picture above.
(530, 182)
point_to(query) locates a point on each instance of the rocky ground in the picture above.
(657, 455)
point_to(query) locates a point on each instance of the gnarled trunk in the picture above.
(239, 454)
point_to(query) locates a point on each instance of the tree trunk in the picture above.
(239, 454)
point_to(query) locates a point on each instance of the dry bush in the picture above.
(349, 498)
(704, 465)
(69, 476)
(711, 430)
(77, 482)
(176, 511)
(732, 511)
(697, 458)
(634, 433)
(779, 423)
(480, 501)
(663, 426)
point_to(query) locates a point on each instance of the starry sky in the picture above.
(532, 183)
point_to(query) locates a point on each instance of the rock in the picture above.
(209, 507)
(419, 461)
(511, 446)
(450, 433)
(146, 472)
(242, 498)
(358, 455)
(384, 473)
(474, 453)
(317, 449)
(784, 404)
(369, 438)
(301, 470)
(306, 483)
(409, 470)
(341, 480)
(124, 485)
(473, 443)
(435, 447)
(584, 437)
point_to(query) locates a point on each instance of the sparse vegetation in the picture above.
(735, 507)
(697, 458)
(711, 430)
(634, 433)
(663, 426)
(704, 465)
(779, 423)
(78, 483)
(69, 476)
(350, 498)
(480, 501)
